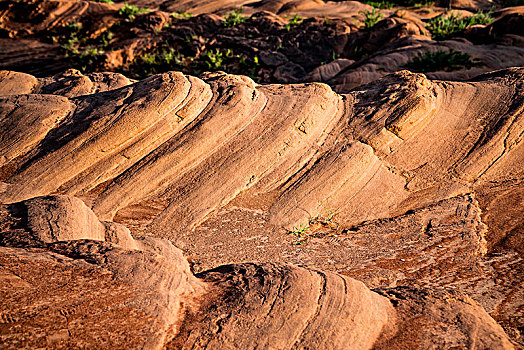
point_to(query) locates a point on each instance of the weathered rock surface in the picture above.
(402, 182)
(44, 37)
(158, 138)
(147, 297)
(395, 57)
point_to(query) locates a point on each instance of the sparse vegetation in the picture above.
(181, 15)
(371, 18)
(163, 60)
(234, 18)
(215, 58)
(70, 36)
(167, 58)
(444, 27)
(317, 227)
(388, 4)
(293, 22)
(104, 1)
(129, 12)
(84, 53)
(434, 61)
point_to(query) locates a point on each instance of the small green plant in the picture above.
(335, 56)
(71, 46)
(149, 58)
(105, 38)
(300, 233)
(250, 67)
(86, 59)
(181, 15)
(317, 227)
(371, 18)
(293, 22)
(214, 59)
(444, 27)
(299, 230)
(104, 1)
(70, 36)
(129, 12)
(91, 52)
(166, 57)
(234, 18)
(440, 61)
(190, 38)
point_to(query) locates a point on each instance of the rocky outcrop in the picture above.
(147, 297)
(159, 137)
(272, 41)
(366, 180)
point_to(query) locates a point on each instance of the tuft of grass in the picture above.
(129, 12)
(215, 58)
(300, 232)
(234, 18)
(104, 1)
(317, 227)
(434, 61)
(444, 27)
(371, 18)
(181, 15)
(293, 22)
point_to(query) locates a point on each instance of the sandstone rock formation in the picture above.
(146, 297)
(161, 136)
(277, 42)
(152, 195)
(408, 184)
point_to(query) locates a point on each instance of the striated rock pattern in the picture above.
(413, 186)
(147, 297)
(160, 137)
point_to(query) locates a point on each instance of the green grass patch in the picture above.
(168, 58)
(435, 61)
(181, 15)
(294, 21)
(371, 18)
(129, 12)
(444, 27)
(234, 18)
(388, 4)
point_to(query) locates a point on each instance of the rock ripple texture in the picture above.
(93, 291)
(430, 163)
